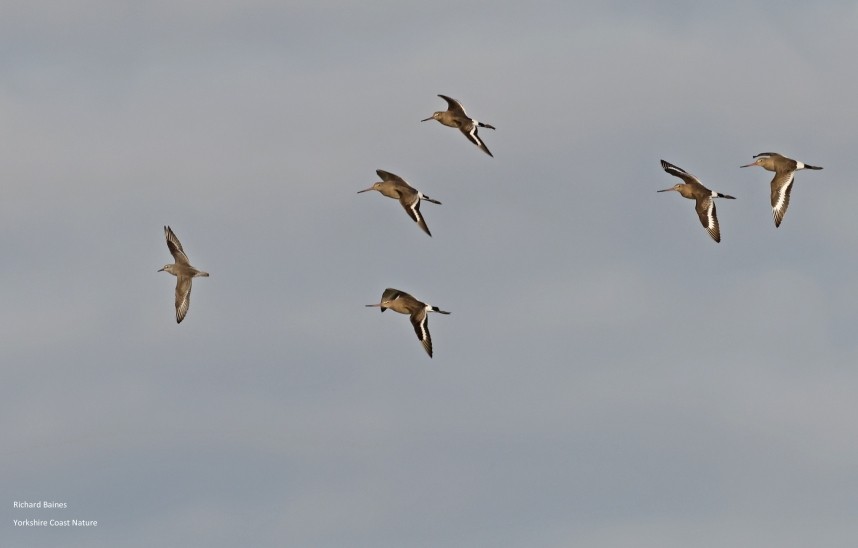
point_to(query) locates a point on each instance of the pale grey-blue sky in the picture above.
(568, 402)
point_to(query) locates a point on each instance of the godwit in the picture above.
(394, 186)
(402, 302)
(702, 196)
(784, 169)
(455, 116)
(183, 271)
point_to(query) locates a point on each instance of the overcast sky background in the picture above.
(609, 376)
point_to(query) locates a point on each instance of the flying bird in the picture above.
(702, 196)
(784, 169)
(402, 302)
(455, 116)
(394, 186)
(183, 271)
